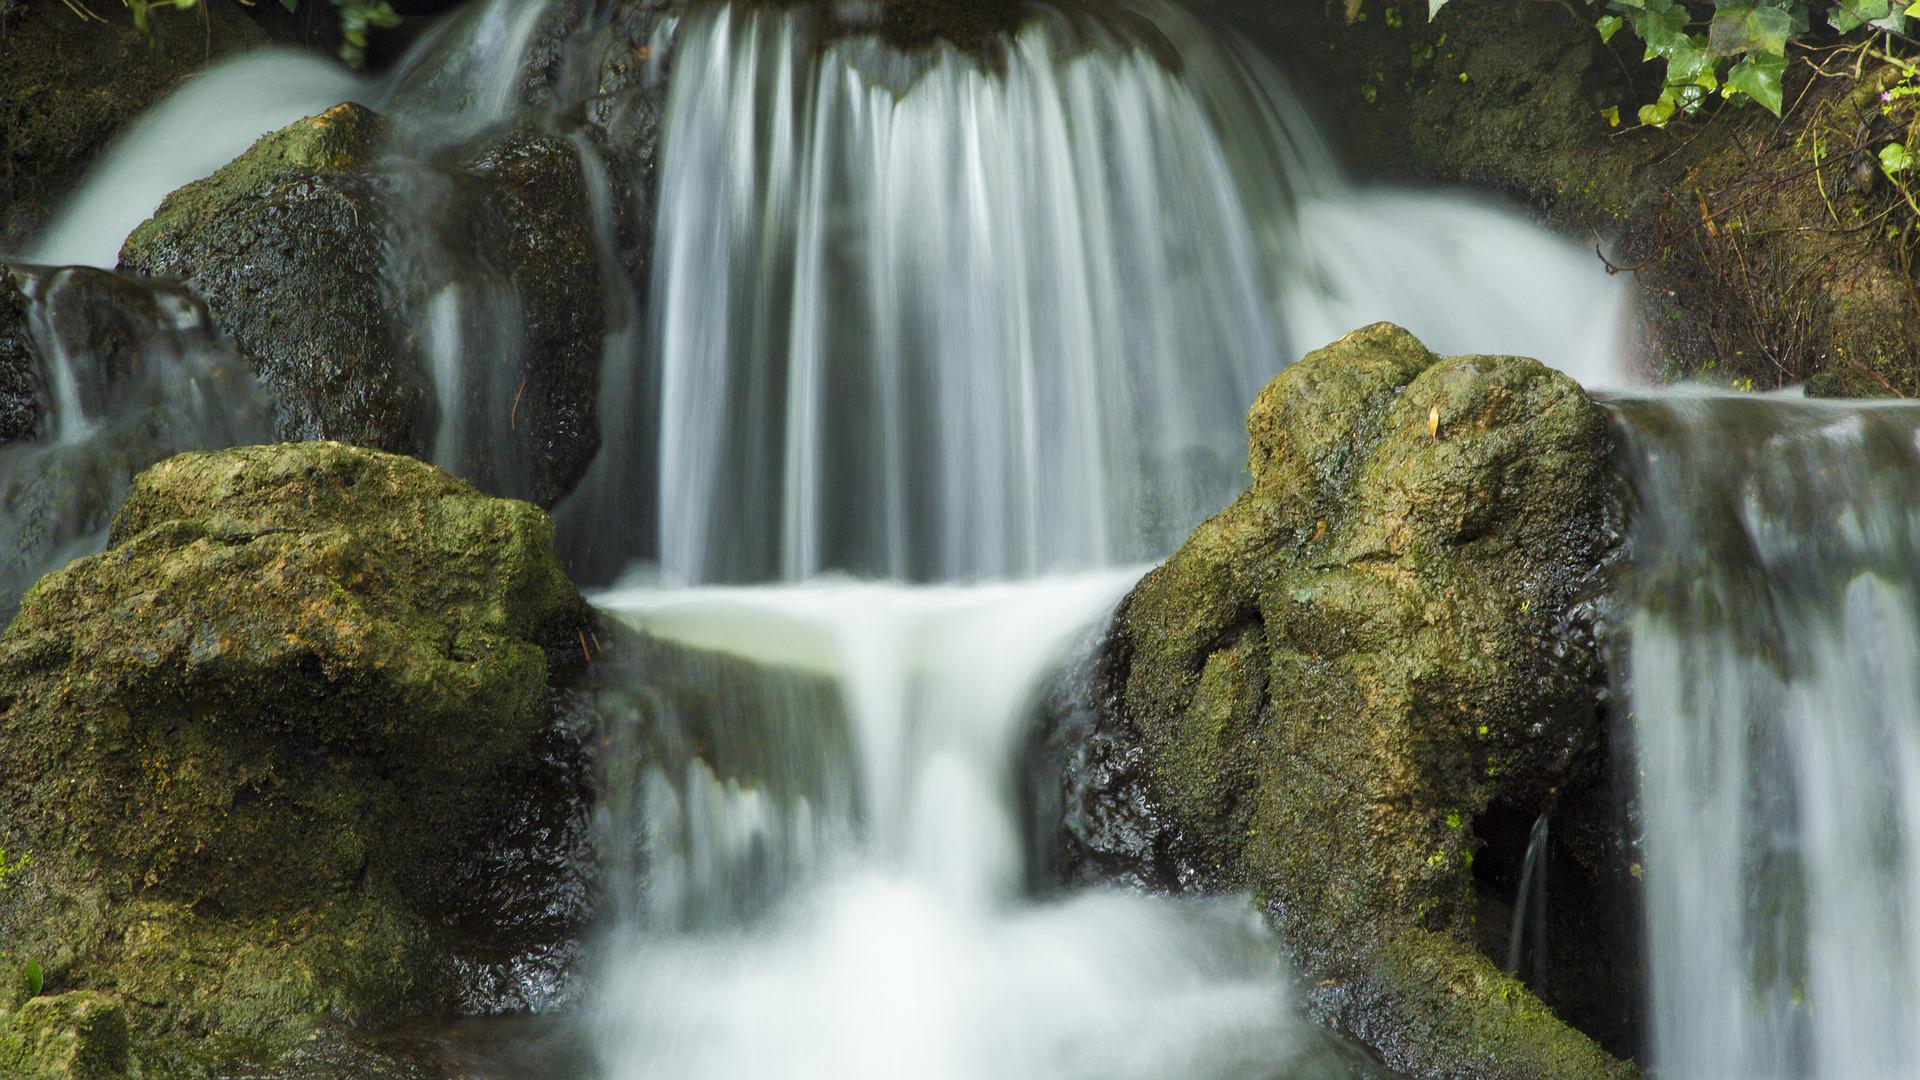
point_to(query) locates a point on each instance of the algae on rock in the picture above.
(249, 744)
(1372, 645)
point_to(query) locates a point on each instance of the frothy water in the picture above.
(1773, 661)
(786, 931)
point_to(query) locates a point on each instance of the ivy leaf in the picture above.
(1758, 77)
(1609, 25)
(1895, 158)
(1739, 29)
(1848, 14)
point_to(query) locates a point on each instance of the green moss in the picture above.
(76, 1036)
(247, 740)
(1325, 672)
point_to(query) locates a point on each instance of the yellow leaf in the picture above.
(1433, 422)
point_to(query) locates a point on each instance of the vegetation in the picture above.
(357, 18)
(1740, 49)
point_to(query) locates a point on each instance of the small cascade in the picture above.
(782, 929)
(131, 372)
(1772, 665)
(1530, 909)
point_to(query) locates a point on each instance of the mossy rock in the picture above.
(75, 1036)
(1383, 637)
(251, 742)
(292, 246)
(69, 84)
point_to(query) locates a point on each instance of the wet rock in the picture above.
(69, 84)
(1318, 696)
(251, 743)
(351, 274)
(518, 227)
(19, 396)
(287, 247)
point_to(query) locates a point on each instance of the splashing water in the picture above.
(789, 932)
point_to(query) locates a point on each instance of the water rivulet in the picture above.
(1772, 631)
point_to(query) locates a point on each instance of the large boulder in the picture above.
(1384, 639)
(254, 746)
(68, 84)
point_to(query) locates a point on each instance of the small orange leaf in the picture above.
(1433, 422)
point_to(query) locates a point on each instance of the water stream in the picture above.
(1773, 666)
(980, 332)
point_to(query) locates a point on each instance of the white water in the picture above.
(919, 318)
(210, 120)
(1774, 667)
(980, 323)
(896, 938)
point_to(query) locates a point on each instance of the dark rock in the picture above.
(68, 84)
(19, 391)
(252, 743)
(1320, 694)
(287, 247)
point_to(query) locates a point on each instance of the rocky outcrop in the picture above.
(68, 84)
(1382, 641)
(253, 744)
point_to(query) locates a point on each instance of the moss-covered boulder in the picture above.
(1331, 681)
(250, 744)
(68, 84)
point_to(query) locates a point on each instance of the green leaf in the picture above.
(36, 979)
(1433, 8)
(1609, 25)
(1758, 77)
(1848, 14)
(1895, 158)
(1738, 29)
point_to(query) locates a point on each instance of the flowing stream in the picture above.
(924, 354)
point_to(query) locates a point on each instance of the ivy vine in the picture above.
(1739, 52)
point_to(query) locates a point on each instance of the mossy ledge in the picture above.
(250, 743)
(1383, 637)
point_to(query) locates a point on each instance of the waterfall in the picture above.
(975, 326)
(982, 320)
(1773, 676)
(787, 930)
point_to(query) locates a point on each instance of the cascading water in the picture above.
(786, 930)
(1773, 665)
(927, 316)
(986, 321)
